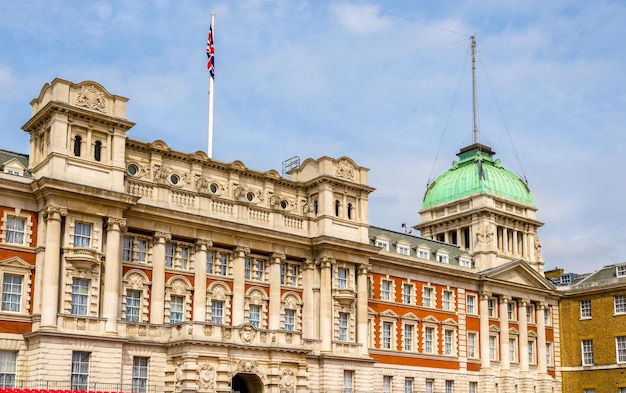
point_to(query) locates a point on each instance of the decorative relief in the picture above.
(226, 333)
(136, 280)
(178, 373)
(201, 183)
(484, 234)
(248, 366)
(304, 206)
(116, 221)
(91, 98)
(247, 333)
(238, 191)
(345, 170)
(206, 376)
(179, 287)
(160, 173)
(208, 330)
(55, 212)
(287, 379)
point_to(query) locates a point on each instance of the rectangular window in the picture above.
(217, 311)
(547, 317)
(133, 305)
(472, 342)
(589, 390)
(473, 387)
(471, 304)
(80, 370)
(82, 234)
(429, 336)
(531, 352)
(620, 344)
(348, 381)
(620, 271)
(585, 309)
(385, 291)
(140, 374)
(255, 315)
(428, 387)
(80, 296)
(407, 293)
(184, 258)
(177, 309)
(442, 258)
(223, 265)
(294, 275)
(510, 309)
(383, 245)
(290, 320)
(11, 292)
(343, 327)
(587, 352)
(447, 300)
(387, 331)
(549, 354)
(408, 337)
(127, 249)
(408, 385)
(342, 278)
(620, 304)
(15, 230)
(404, 250)
(142, 249)
(513, 350)
(491, 308)
(465, 262)
(530, 313)
(423, 254)
(427, 297)
(8, 362)
(493, 348)
(210, 260)
(247, 269)
(449, 386)
(260, 270)
(283, 273)
(448, 348)
(387, 384)
(169, 255)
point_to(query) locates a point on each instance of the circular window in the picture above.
(283, 204)
(213, 188)
(174, 179)
(132, 169)
(250, 196)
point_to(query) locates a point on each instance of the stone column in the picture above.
(52, 263)
(505, 361)
(274, 311)
(542, 366)
(361, 309)
(157, 298)
(523, 336)
(199, 291)
(112, 274)
(239, 285)
(515, 243)
(326, 304)
(505, 240)
(484, 330)
(308, 307)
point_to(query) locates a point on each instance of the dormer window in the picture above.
(465, 262)
(443, 258)
(423, 253)
(382, 244)
(620, 271)
(13, 167)
(403, 249)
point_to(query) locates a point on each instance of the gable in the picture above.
(519, 272)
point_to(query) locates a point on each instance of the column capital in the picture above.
(309, 264)
(325, 262)
(524, 302)
(277, 257)
(55, 213)
(162, 237)
(115, 223)
(202, 244)
(364, 268)
(541, 306)
(504, 299)
(485, 295)
(241, 251)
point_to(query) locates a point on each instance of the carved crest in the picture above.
(206, 376)
(287, 379)
(345, 170)
(247, 334)
(91, 98)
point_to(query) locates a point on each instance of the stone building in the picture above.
(129, 266)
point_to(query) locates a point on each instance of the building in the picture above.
(129, 266)
(593, 321)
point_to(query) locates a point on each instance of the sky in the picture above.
(387, 83)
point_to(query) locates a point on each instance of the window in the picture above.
(350, 208)
(290, 320)
(283, 273)
(133, 305)
(169, 255)
(549, 354)
(428, 387)
(12, 292)
(622, 390)
(510, 310)
(449, 386)
(342, 278)
(140, 374)
(531, 352)
(77, 142)
(620, 343)
(429, 336)
(448, 337)
(407, 293)
(472, 341)
(471, 304)
(127, 249)
(620, 271)
(620, 304)
(385, 291)
(491, 308)
(382, 244)
(513, 350)
(97, 151)
(447, 300)
(15, 230)
(177, 309)
(427, 297)
(210, 260)
(442, 258)
(408, 385)
(530, 313)
(465, 262)
(547, 317)
(585, 309)
(293, 278)
(493, 348)
(217, 311)
(80, 296)
(386, 336)
(82, 234)
(403, 250)
(424, 254)
(222, 266)
(343, 327)
(255, 315)
(247, 270)
(142, 249)
(184, 258)
(80, 370)
(408, 337)
(587, 352)
(473, 387)
(8, 362)
(387, 384)
(591, 390)
(348, 381)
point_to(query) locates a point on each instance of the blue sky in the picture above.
(387, 83)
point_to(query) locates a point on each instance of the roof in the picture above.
(476, 172)
(8, 156)
(606, 276)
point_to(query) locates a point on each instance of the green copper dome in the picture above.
(476, 172)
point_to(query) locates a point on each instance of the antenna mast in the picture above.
(473, 38)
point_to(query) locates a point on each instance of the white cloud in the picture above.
(360, 19)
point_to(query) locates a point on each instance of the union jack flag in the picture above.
(210, 52)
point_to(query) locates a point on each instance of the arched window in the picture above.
(77, 141)
(349, 211)
(337, 208)
(97, 150)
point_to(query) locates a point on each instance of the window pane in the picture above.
(8, 361)
(133, 305)
(140, 374)
(217, 311)
(80, 296)
(82, 234)
(11, 292)
(255, 315)
(14, 233)
(80, 370)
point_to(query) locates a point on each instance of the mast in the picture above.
(473, 38)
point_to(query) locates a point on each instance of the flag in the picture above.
(210, 52)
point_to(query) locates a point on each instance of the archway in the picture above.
(246, 383)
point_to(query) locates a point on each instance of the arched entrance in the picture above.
(246, 383)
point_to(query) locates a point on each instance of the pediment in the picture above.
(450, 322)
(410, 316)
(389, 314)
(16, 262)
(519, 272)
(13, 165)
(430, 319)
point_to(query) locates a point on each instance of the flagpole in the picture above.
(211, 93)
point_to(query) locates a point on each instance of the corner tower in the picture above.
(484, 209)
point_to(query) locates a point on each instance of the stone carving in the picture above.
(304, 205)
(484, 234)
(201, 183)
(226, 333)
(136, 280)
(178, 374)
(206, 376)
(345, 170)
(113, 221)
(247, 334)
(218, 293)
(248, 366)
(291, 302)
(91, 98)
(160, 173)
(256, 297)
(55, 212)
(179, 287)
(238, 191)
(287, 379)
